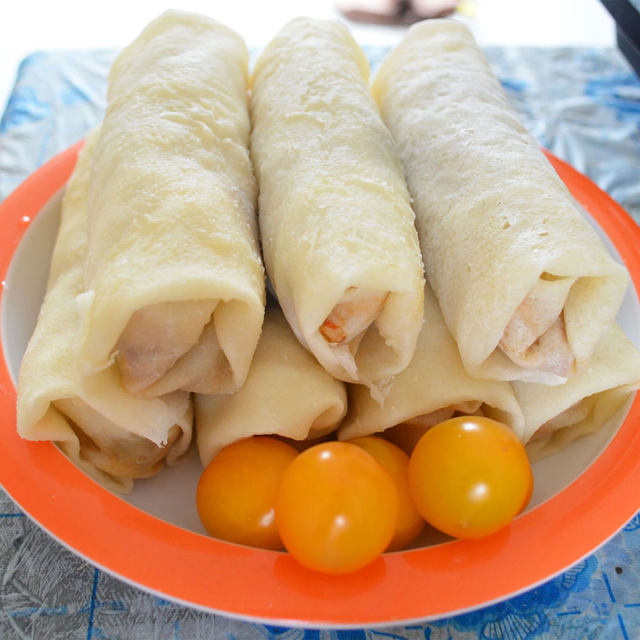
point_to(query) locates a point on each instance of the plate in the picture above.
(153, 540)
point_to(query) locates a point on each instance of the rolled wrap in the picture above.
(556, 416)
(111, 435)
(525, 285)
(337, 229)
(175, 284)
(433, 388)
(287, 393)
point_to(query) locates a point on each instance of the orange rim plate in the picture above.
(270, 586)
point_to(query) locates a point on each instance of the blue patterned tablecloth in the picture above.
(584, 105)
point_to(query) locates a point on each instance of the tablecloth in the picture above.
(584, 105)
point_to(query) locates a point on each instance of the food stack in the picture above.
(426, 260)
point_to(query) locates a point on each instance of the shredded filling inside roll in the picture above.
(535, 337)
(111, 448)
(173, 345)
(352, 316)
(203, 369)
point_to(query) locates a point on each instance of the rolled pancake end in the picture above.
(506, 248)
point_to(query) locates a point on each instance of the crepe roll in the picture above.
(526, 286)
(433, 388)
(556, 416)
(110, 434)
(287, 393)
(337, 229)
(174, 279)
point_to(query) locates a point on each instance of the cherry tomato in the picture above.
(396, 462)
(336, 508)
(236, 493)
(470, 476)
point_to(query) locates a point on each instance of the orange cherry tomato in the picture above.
(336, 508)
(236, 493)
(470, 476)
(396, 462)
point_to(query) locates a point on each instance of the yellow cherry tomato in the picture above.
(470, 476)
(396, 462)
(336, 508)
(237, 491)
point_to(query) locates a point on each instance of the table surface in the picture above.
(584, 105)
